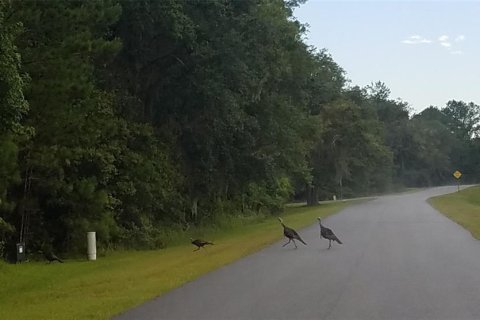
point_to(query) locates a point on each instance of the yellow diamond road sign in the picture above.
(457, 174)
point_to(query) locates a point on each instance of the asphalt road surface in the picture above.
(400, 259)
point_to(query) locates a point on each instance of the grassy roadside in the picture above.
(101, 289)
(462, 207)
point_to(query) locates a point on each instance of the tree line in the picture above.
(132, 118)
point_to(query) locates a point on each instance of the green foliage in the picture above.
(429, 157)
(69, 161)
(232, 111)
(351, 153)
(12, 103)
(9, 174)
(463, 118)
(6, 230)
(442, 141)
(271, 195)
(12, 107)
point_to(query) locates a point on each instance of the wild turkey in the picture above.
(290, 234)
(50, 256)
(200, 243)
(328, 234)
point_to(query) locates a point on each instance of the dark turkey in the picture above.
(328, 234)
(200, 243)
(291, 234)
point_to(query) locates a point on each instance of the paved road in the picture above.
(400, 260)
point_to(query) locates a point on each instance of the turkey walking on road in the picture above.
(200, 243)
(328, 234)
(290, 234)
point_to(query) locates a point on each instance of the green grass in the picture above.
(101, 289)
(462, 207)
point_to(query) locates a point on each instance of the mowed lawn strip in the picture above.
(462, 207)
(110, 285)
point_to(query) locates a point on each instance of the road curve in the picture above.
(401, 259)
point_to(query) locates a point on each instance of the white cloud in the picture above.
(416, 39)
(445, 41)
(443, 38)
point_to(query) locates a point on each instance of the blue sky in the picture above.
(426, 52)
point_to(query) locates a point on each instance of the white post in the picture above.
(334, 198)
(91, 246)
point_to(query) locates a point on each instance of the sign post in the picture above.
(457, 174)
(21, 256)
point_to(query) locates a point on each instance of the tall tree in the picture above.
(463, 118)
(12, 107)
(350, 157)
(66, 165)
(228, 97)
(12, 103)
(394, 115)
(429, 159)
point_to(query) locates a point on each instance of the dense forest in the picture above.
(132, 117)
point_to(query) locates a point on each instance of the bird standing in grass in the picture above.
(328, 234)
(290, 234)
(50, 256)
(200, 243)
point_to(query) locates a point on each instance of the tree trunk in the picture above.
(341, 187)
(312, 195)
(194, 209)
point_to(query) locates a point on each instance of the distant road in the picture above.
(401, 259)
